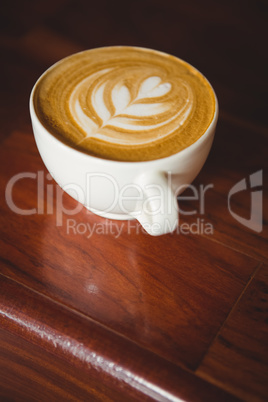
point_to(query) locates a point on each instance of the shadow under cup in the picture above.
(144, 190)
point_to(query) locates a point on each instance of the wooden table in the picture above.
(97, 310)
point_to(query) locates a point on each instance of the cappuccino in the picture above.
(125, 103)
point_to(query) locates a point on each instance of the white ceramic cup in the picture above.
(146, 190)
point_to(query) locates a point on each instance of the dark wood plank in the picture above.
(24, 58)
(28, 373)
(234, 157)
(237, 359)
(66, 356)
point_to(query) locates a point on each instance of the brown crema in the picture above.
(124, 103)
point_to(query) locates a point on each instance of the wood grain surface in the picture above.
(97, 310)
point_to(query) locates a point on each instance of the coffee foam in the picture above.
(125, 103)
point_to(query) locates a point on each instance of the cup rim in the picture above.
(184, 151)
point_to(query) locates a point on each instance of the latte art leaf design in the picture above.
(124, 103)
(113, 106)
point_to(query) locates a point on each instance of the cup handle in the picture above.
(157, 210)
